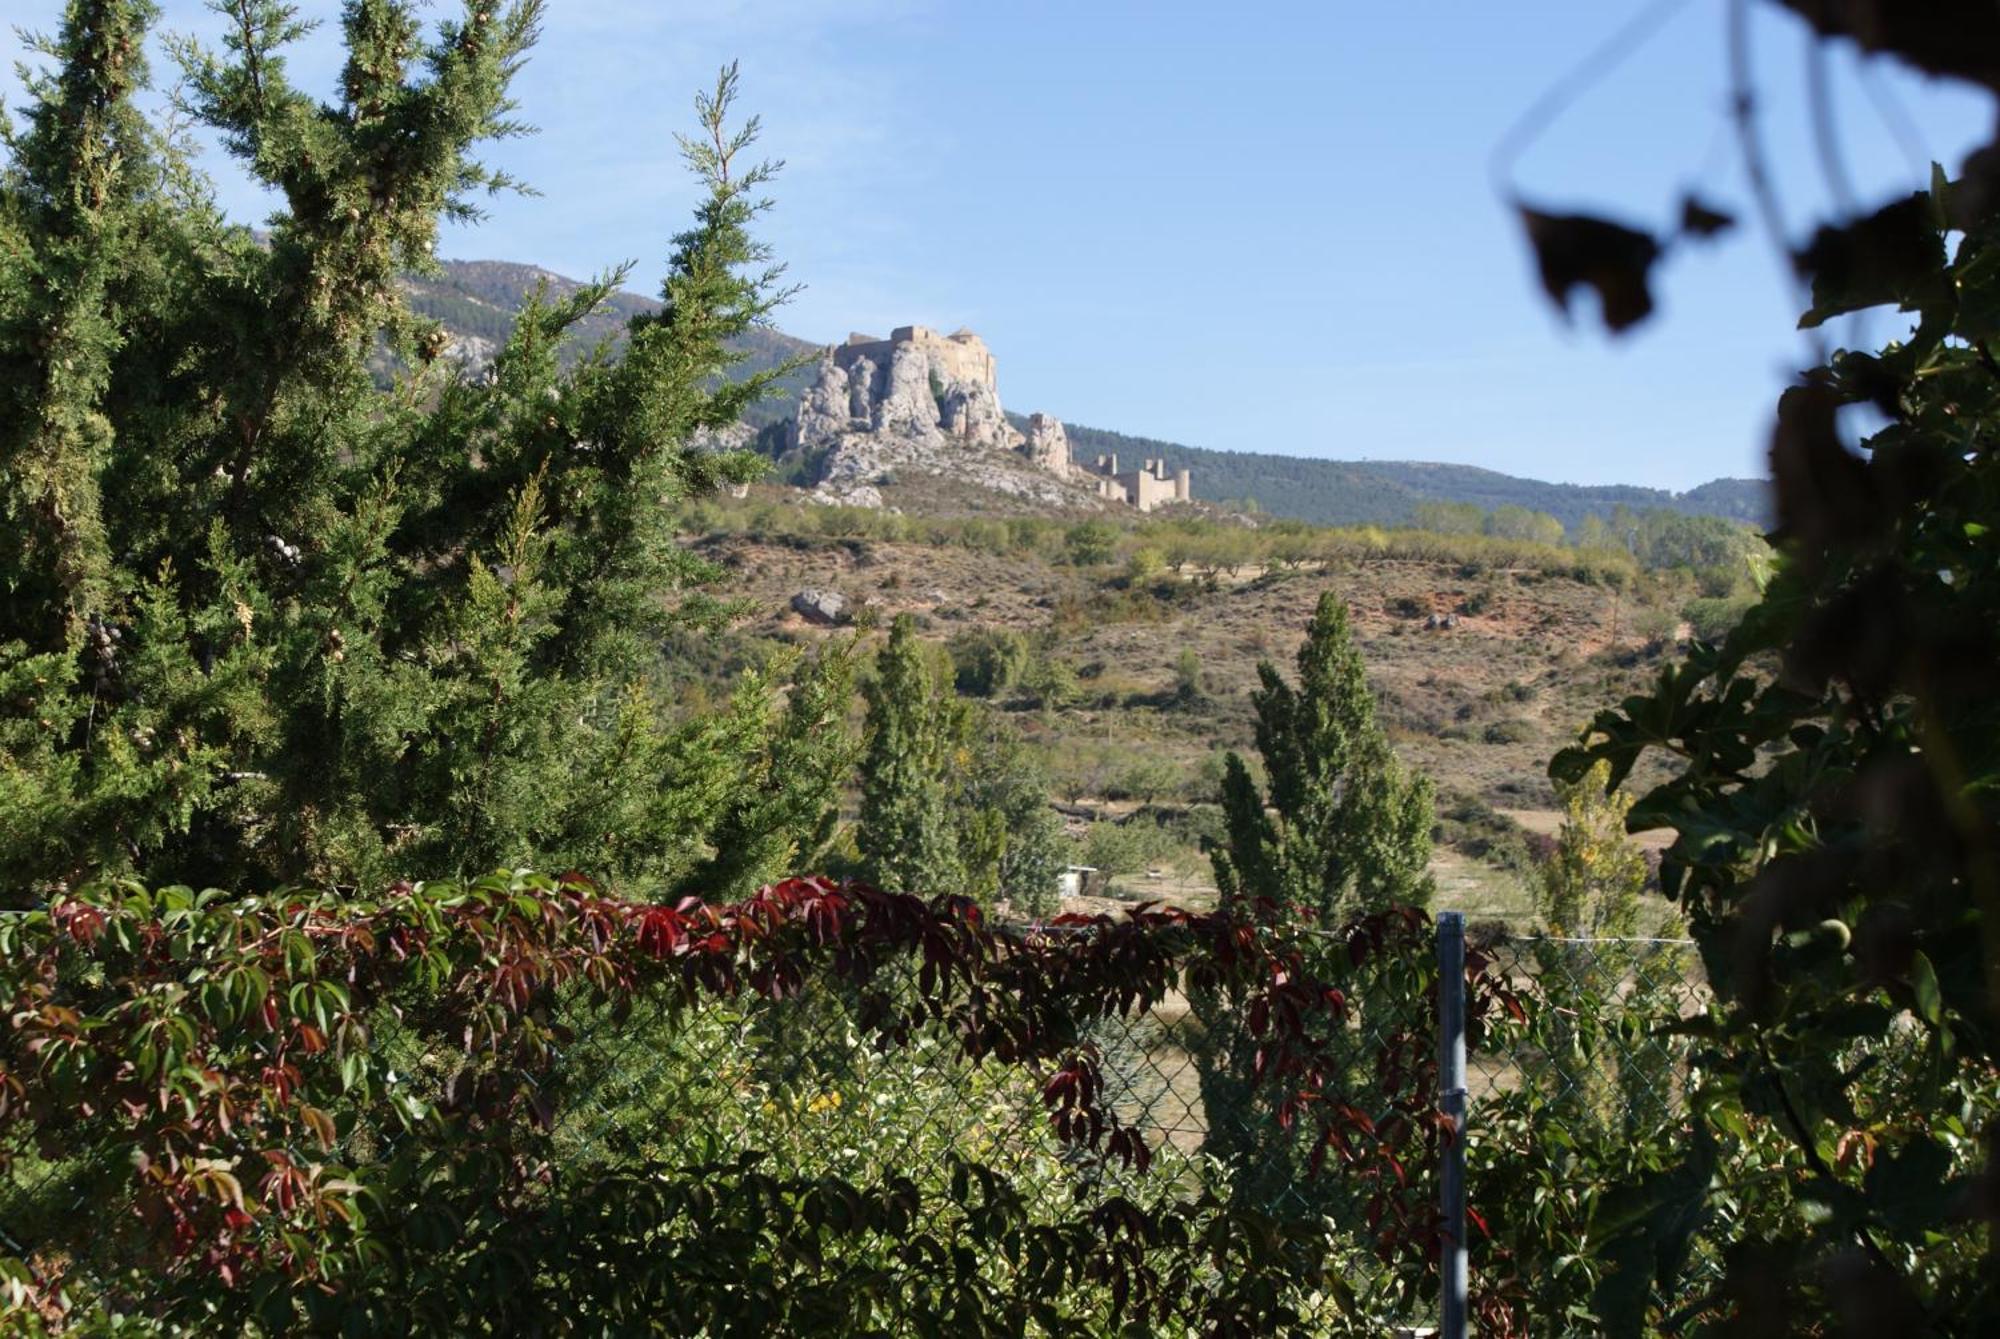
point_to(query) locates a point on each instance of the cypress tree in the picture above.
(1341, 825)
(907, 836)
(1339, 828)
(264, 619)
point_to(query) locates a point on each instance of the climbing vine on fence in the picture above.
(246, 1092)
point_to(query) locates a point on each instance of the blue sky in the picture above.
(1273, 228)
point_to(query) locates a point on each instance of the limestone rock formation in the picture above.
(1048, 445)
(930, 403)
(824, 412)
(825, 607)
(904, 402)
(729, 437)
(473, 353)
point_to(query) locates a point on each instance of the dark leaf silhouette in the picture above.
(1581, 250)
(1959, 38)
(1894, 255)
(1699, 218)
(1825, 493)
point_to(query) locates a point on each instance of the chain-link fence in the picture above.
(858, 1083)
(1587, 1091)
(816, 1086)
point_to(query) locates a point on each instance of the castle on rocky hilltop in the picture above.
(915, 399)
(959, 356)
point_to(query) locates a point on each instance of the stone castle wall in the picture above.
(1150, 486)
(960, 356)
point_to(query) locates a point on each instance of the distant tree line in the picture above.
(1388, 492)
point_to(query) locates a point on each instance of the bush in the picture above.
(987, 662)
(1514, 730)
(1144, 566)
(1711, 620)
(1125, 848)
(1048, 681)
(1091, 543)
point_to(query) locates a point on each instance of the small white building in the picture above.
(1074, 879)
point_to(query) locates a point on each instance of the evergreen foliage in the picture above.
(906, 834)
(1342, 826)
(950, 799)
(1592, 882)
(263, 620)
(1010, 840)
(1338, 827)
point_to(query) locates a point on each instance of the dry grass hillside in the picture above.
(1154, 677)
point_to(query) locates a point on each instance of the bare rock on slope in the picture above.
(825, 607)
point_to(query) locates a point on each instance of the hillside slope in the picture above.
(1132, 695)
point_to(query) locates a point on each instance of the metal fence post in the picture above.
(1451, 1099)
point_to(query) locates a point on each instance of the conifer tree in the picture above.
(77, 190)
(781, 812)
(1342, 826)
(1592, 882)
(1011, 842)
(907, 836)
(265, 621)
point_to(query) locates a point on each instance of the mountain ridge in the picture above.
(476, 301)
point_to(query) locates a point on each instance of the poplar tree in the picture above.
(264, 620)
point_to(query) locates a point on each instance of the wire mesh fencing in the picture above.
(1600, 1050)
(815, 1085)
(859, 1083)
(1588, 1092)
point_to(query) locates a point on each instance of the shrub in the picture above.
(1711, 620)
(1090, 543)
(1513, 730)
(987, 662)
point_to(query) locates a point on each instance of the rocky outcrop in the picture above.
(1048, 445)
(824, 411)
(473, 353)
(729, 437)
(904, 402)
(930, 403)
(971, 412)
(916, 384)
(825, 607)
